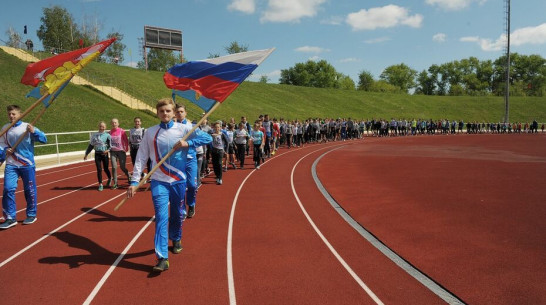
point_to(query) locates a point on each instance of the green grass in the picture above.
(252, 99)
(80, 108)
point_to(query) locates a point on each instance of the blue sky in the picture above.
(352, 35)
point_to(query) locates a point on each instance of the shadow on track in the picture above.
(110, 217)
(97, 254)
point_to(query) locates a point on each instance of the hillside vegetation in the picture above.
(80, 108)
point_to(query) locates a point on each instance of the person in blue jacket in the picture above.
(19, 163)
(168, 186)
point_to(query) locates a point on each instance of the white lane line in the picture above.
(44, 201)
(61, 170)
(231, 281)
(57, 229)
(115, 264)
(48, 183)
(426, 281)
(327, 243)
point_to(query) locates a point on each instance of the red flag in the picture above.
(37, 72)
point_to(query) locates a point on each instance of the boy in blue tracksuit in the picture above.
(169, 180)
(191, 166)
(19, 163)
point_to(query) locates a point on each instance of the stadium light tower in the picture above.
(507, 89)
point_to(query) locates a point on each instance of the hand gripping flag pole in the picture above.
(49, 102)
(212, 80)
(57, 70)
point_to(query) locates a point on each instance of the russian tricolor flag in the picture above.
(214, 78)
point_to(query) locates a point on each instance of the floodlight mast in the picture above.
(507, 89)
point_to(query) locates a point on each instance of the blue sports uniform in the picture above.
(169, 181)
(19, 164)
(191, 174)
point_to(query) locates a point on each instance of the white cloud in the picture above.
(453, 5)
(377, 40)
(334, 20)
(309, 49)
(350, 59)
(440, 37)
(523, 36)
(470, 39)
(529, 35)
(315, 58)
(290, 10)
(383, 17)
(244, 6)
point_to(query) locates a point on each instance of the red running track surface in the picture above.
(465, 210)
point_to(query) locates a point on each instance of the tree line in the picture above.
(460, 77)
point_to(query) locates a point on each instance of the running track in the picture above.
(415, 220)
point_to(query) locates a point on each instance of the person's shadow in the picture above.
(97, 254)
(103, 216)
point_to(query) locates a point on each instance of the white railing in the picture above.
(53, 140)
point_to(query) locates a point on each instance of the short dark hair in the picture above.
(13, 107)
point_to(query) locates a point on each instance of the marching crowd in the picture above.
(190, 151)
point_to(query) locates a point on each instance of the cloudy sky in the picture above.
(352, 35)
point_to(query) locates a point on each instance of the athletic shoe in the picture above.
(100, 187)
(233, 164)
(115, 186)
(8, 224)
(108, 182)
(162, 265)
(191, 211)
(177, 247)
(258, 167)
(219, 181)
(30, 220)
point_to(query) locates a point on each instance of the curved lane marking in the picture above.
(229, 257)
(326, 242)
(444, 294)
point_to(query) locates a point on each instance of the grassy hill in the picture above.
(252, 99)
(80, 108)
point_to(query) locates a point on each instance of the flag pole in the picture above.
(149, 174)
(21, 138)
(25, 113)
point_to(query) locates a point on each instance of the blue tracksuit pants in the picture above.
(168, 218)
(11, 175)
(191, 180)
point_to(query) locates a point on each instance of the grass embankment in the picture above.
(79, 108)
(252, 99)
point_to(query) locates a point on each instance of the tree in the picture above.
(345, 82)
(365, 81)
(89, 30)
(58, 29)
(234, 47)
(311, 74)
(425, 84)
(160, 60)
(400, 76)
(264, 79)
(384, 87)
(114, 53)
(14, 39)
